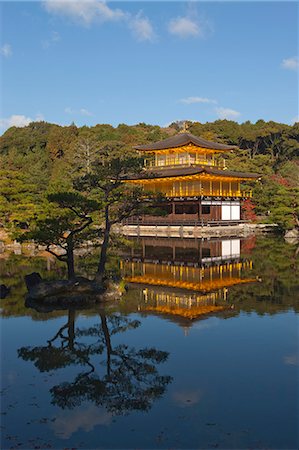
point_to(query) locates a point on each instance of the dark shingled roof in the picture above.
(191, 170)
(184, 139)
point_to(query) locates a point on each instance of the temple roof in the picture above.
(183, 139)
(190, 170)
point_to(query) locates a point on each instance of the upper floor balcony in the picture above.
(159, 161)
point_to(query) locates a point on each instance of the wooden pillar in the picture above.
(220, 187)
(211, 187)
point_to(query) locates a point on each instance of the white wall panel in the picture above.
(225, 212)
(235, 212)
(226, 248)
(235, 246)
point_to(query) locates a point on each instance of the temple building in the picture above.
(191, 173)
(185, 279)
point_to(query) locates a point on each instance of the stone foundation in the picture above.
(184, 231)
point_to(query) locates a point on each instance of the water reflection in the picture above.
(186, 279)
(83, 379)
(119, 377)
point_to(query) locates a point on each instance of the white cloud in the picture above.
(184, 27)
(84, 11)
(190, 100)
(69, 110)
(290, 63)
(6, 50)
(82, 418)
(227, 113)
(142, 28)
(19, 120)
(81, 111)
(85, 112)
(87, 12)
(53, 39)
(192, 24)
(39, 117)
(291, 360)
(204, 325)
(295, 120)
(187, 397)
(15, 120)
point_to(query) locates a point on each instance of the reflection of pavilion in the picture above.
(185, 278)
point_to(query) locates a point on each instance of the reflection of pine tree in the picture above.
(127, 379)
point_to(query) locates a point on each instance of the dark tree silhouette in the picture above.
(123, 380)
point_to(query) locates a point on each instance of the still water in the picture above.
(201, 352)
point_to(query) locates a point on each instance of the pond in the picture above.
(201, 351)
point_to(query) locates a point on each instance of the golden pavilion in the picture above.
(191, 173)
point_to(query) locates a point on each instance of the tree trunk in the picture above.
(107, 341)
(103, 256)
(70, 259)
(71, 328)
(104, 248)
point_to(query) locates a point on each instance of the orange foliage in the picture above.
(248, 210)
(280, 180)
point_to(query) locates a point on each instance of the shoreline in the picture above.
(161, 231)
(193, 232)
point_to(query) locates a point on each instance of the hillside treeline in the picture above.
(45, 158)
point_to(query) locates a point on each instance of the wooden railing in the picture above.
(217, 164)
(156, 220)
(183, 192)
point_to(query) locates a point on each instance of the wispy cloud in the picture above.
(91, 12)
(291, 360)
(81, 111)
(191, 100)
(184, 27)
(227, 113)
(191, 25)
(53, 39)
(290, 63)
(18, 120)
(6, 50)
(83, 418)
(84, 11)
(142, 28)
(85, 112)
(187, 397)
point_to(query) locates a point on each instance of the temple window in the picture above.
(186, 209)
(206, 252)
(179, 209)
(205, 209)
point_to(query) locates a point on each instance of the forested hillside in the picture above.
(44, 158)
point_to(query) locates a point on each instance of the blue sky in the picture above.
(155, 62)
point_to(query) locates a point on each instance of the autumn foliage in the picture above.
(248, 210)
